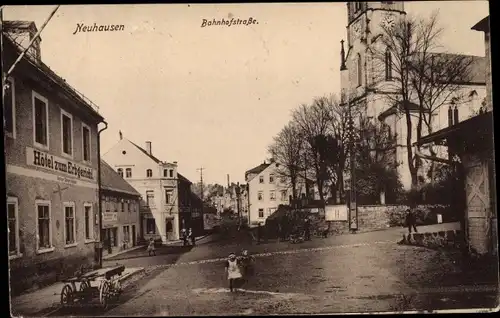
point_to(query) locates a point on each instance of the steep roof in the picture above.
(111, 180)
(477, 67)
(146, 153)
(182, 178)
(258, 169)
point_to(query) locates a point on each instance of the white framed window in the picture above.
(168, 196)
(150, 199)
(128, 172)
(40, 120)
(44, 226)
(272, 195)
(67, 133)
(261, 213)
(260, 196)
(86, 142)
(89, 229)
(283, 195)
(69, 224)
(150, 226)
(171, 173)
(13, 227)
(9, 108)
(271, 178)
(149, 173)
(120, 172)
(261, 179)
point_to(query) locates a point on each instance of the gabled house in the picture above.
(156, 181)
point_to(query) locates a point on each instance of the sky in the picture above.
(212, 97)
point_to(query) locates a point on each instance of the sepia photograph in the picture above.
(246, 159)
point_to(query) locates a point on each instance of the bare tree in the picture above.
(417, 81)
(286, 150)
(314, 121)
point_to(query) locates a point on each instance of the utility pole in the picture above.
(238, 194)
(201, 188)
(353, 209)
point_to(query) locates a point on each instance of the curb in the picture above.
(180, 241)
(126, 277)
(122, 252)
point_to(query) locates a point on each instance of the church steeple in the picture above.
(342, 56)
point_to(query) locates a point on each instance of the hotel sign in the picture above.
(110, 217)
(41, 159)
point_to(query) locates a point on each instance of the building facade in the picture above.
(366, 81)
(51, 142)
(163, 191)
(120, 204)
(190, 207)
(266, 190)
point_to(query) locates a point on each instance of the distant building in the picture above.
(51, 142)
(120, 205)
(266, 190)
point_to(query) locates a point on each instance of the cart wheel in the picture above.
(104, 294)
(66, 295)
(84, 285)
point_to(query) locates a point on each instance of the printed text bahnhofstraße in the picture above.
(228, 22)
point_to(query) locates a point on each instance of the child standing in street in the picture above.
(151, 247)
(233, 271)
(246, 262)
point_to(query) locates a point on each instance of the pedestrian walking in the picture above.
(233, 272)
(246, 262)
(184, 237)
(192, 237)
(151, 247)
(411, 220)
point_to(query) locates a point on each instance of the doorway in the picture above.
(133, 235)
(169, 229)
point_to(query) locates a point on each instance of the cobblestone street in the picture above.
(350, 273)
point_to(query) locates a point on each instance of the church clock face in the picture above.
(388, 21)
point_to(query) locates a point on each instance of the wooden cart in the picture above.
(103, 284)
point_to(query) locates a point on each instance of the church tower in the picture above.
(364, 27)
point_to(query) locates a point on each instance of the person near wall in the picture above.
(411, 220)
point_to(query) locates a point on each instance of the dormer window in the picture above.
(149, 173)
(120, 172)
(165, 173)
(128, 173)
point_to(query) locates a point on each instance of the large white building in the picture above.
(267, 190)
(365, 81)
(156, 181)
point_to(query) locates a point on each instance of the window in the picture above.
(271, 211)
(150, 198)
(9, 108)
(44, 231)
(126, 233)
(283, 195)
(260, 196)
(40, 120)
(261, 213)
(87, 207)
(360, 70)
(283, 179)
(272, 195)
(150, 226)
(261, 179)
(171, 173)
(131, 206)
(86, 142)
(122, 206)
(69, 223)
(13, 215)
(120, 172)
(67, 133)
(271, 178)
(128, 172)
(388, 65)
(168, 196)
(357, 6)
(126, 206)
(149, 173)
(165, 173)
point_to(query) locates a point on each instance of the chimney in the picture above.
(228, 180)
(23, 32)
(148, 148)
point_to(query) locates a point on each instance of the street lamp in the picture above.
(353, 209)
